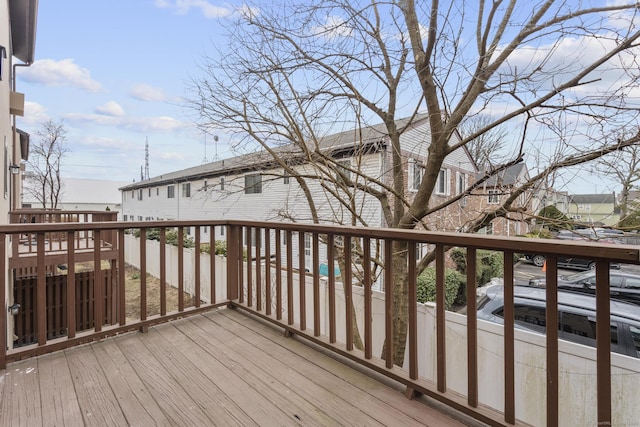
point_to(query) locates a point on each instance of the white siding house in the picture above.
(254, 187)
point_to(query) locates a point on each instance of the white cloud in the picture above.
(103, 143)
(145, 92)
(34, 114)
(168, 155)
(564, 58)
(138, 124)
(64, 72)
(111, 108)
(183, 7)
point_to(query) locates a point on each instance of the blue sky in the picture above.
(115, 73)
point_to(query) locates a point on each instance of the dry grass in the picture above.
(132, 295)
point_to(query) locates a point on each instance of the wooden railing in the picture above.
(56, 242)
(267, 277)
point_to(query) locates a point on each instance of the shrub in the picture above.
(550, 217)
(171, 236)
(489, 264)
(426, 286)
(220, 245)
(541, 233)
(172, 239)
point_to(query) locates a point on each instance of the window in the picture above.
(442, 186)
(635, 334)
(186, 190)
(3, 55)
(461, 187)
(416, 172)
(286, 178)
(461, 183)
(140, 194)
(494, 197)
(489, 229)
(139, 217)
(171, 191)
(149, 191)
(222, 183)
(530, 317)
(124, 218)
(133, 194)
(253, 184)
(6, 169)
(157, 191)
(307, 252)
(632, 283)
(586, 208)
(204, 186)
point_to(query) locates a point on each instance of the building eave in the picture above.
(23, 15)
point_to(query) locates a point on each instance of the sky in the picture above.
(115, 73)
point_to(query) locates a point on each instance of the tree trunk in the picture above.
(400, 302)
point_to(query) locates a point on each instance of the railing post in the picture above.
(71, 285)
(98, 283)
(197, 267)
(472, 330)
(441, 342)
(509, 339)
(233, 263)
(551, 293)
(603, 342)
(41, 288)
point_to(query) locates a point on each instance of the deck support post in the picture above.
(411, 393)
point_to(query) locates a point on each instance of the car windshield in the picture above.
(577, 276)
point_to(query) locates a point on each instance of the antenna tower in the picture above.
(215, 157)
(146, 159)
(205, 150)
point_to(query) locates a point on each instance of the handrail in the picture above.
(616, 253)
(270, 290)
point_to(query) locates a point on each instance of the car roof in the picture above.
(611, 273)
(586, 273)
(568, 299)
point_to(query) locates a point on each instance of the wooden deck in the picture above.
(221, 368)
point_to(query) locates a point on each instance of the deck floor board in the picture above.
(219, 368)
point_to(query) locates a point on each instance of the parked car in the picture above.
(570, 262)
(566, 262)
(623, 286)
(576, 316)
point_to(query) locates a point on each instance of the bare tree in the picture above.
(44, 163)
(292, 75)
(624, 166)
(488, 148)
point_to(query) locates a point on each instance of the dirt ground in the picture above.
(153, 295)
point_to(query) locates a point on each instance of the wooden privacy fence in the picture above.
(26, 323)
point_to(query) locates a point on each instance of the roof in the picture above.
(337, 143)
(86, 191)
(508, 176)
(609, 198)
(23, 15)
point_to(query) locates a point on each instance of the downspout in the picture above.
(15, 199)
